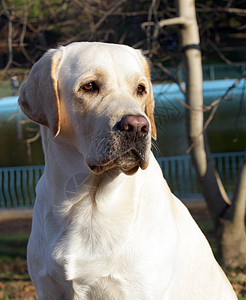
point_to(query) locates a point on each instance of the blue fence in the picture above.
(18, 183)
(18, 186)
(181, 176)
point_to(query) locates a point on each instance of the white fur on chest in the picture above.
(107, 249)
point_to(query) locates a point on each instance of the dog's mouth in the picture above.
(128, 162)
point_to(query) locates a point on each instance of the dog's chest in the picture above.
(103, 263)
(103, 255)
(112, 245)
(93, 237)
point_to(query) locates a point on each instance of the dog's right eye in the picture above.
(90, 87)
(141, 89)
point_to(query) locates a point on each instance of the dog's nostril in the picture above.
(145, 129)
(128, 128)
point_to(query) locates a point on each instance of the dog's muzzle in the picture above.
(128, 147)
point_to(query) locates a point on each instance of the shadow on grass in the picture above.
(13, 245)
(13, 256)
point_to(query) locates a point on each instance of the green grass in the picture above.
(13, 244)
(5, 89)
(208, 229)
(14, 279)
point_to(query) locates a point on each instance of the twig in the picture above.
(28, 144)
(12, 116)
(214, 107)
(233, 10)
(175, 21)
(151, 8)
(108, 13)
(168, 22)
(23, 33)
(173, 78)
(222, 56)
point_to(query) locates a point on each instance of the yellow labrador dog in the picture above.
(105, 224)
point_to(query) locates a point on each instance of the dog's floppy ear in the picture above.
(39, 99)
(150, 102)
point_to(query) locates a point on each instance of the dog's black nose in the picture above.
(137, 125)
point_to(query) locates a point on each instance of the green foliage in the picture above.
(40, 9)
(15, 3)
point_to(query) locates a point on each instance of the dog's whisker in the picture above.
(156, 147)
(103, 139)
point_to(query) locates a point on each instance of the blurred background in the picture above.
(28, 28)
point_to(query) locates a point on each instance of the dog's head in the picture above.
(97, 97)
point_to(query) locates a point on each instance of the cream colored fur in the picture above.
(115, 231)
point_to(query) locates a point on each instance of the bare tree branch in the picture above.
(175, 21)
(232, 10)
(214, 105)
(28, 143)
(173, 78)
(23, 32)
(108, 13)
(222, 56)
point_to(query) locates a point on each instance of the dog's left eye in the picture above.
(140, 89)
(90, 87)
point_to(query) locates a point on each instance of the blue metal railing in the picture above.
(18, 183)
(181, 176)
(18, 186)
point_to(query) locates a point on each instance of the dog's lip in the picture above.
(101, 168)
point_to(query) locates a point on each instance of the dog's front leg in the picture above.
(46, 275)
(48, 289)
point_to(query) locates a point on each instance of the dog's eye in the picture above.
(140, 89)
(90, 87)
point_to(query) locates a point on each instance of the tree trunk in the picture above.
(228, 217)
(233, 233)
(212, 188)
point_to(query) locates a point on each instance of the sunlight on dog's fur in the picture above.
(105, 223)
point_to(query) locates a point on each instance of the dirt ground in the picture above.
(16, 226)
